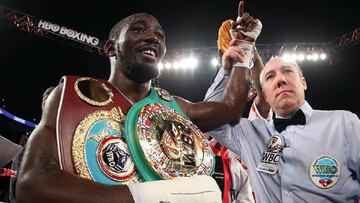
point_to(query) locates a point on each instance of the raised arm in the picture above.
(210, 115)
(40, 178)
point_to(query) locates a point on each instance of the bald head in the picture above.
(276, 61)
(116, 30)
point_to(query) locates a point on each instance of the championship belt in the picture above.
(163, 142)
(90, 132)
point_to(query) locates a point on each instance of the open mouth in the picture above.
(149, 52)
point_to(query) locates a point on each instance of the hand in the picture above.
(232, 55)
(245, 27)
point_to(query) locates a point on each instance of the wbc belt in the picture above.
(159, 134)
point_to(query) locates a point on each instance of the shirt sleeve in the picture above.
(353, 136)
(229, 136)
(216, 90)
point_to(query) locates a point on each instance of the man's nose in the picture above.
(280, 80)
(152, 37)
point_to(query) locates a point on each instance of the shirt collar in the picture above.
(306, 108)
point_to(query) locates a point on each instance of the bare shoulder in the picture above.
(42, 142)
(50, 107)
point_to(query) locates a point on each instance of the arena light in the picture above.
(293, 57)
(193, 62)
(308, 57)
(190, 62)
(301, 57)
(323, 56)
(187, 61)
(167, 65)
(184, 64)
(160, 66)
(176, 65)
(315, 56)
(286, 56)
(214, 62)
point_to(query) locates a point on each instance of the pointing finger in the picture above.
(241, 9)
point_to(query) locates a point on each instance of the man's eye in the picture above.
(269, 77)
(139, 29)
(160, 35)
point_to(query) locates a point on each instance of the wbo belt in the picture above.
(90, 132)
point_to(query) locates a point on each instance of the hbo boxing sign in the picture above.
(68, 32)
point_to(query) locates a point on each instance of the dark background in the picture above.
(29, 64)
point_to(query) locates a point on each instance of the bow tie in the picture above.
(297, 119)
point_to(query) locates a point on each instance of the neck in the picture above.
(285, 113)
(288, 110)
(132, 90)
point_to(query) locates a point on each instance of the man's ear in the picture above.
(110, 48)
(303, 81)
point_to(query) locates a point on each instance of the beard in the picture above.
(140, 72)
